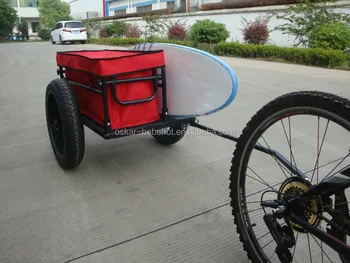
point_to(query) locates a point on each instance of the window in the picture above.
(12, 3)
(28, 3)
(120, 12)
(91, 14)
(74, 25)
(145, 8)
(58, 26)
(170, 4)
(35, 27)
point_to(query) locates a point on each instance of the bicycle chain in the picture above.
(333, 224)
(330, 222)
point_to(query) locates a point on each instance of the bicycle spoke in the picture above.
(321, 166)
(289, 143)
(319, 149)
(262, 190)
(342, 210)
(272, 256)
(263, 183)
(323, 252)
(308, 240)
(336, 205)
(322, 245)
(268, 233)
(252, 202)
(295, 246)
(262, 180)
(268, 243)
(273, 156)
(256, 209)
(339, 171)
(336, 167)
(263, 236)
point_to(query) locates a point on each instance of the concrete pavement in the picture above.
(130, 200)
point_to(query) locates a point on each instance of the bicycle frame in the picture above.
(260, 148)
(330, 185)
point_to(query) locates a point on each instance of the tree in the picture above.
(155, 25)
(256, 31)
(51, 11)
(116, 29)
(8, 18)
(22, 27)
(335, 36)
(307, 15)
(208, 31)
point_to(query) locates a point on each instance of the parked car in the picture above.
(69, 31)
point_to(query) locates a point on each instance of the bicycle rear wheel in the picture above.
(330, 116)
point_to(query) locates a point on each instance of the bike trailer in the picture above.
(116, 88)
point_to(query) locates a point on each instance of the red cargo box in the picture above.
(90, 67)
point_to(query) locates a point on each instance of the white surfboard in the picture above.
(197, 82)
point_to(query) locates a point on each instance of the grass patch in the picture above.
(302, 56)
(3, 41)
(133, 41)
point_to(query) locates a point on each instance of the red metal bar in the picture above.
(104, 7)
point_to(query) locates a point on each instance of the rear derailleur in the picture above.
(283, 235)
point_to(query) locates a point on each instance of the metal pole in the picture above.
(18, 11)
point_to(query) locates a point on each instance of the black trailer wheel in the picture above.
(64, 124)
(170, 135)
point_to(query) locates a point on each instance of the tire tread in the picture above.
(72, 125)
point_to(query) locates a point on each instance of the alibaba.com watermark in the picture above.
(175, 132)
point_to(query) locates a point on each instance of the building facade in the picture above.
(27, 11)
(122, 7)
(83, 9)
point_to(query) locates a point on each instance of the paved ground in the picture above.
(130, 200)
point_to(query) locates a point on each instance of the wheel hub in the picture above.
(55, 125)
(308, 209)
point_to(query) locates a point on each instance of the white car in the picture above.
(69, 31)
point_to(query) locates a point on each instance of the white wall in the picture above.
(29, 23)
(117, 4)
(79, 8)
(233, 20)
(27, 12)
(159, 5)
